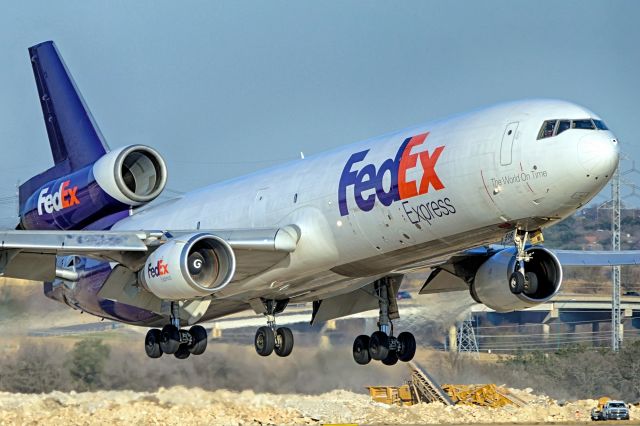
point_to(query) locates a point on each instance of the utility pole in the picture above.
(616, 338)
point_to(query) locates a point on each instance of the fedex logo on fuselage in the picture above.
(367, 178)
(160, 269)
(65, 197)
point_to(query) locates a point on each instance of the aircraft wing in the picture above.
(597, 258)
(32, 254)
(458, 271)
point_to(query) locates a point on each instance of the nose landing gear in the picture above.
(382, 345)
(521, 281)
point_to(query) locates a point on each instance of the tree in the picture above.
(87, 361)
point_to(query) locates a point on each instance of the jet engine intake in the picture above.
(491, 283)
(133, 175)
(189, 266)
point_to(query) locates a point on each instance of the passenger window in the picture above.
(600, 125)
(583, 124)
(547, 129)
(564, 125)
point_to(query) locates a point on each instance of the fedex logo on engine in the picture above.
(65, 197)
(160, 269)
(366, 178)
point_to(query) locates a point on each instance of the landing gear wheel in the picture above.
(530, 283)
(379, 346)
(284, 336)
(361, 350)
(516, 282)
(182, 352)
(264, 341)
(408, 344)
(152, 343)
(170, 339)
(391, 358)
(199, 336)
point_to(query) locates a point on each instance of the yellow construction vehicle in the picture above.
(423, 388)
(484, 395)
(392, 395)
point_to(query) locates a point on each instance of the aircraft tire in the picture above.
(391, 358)
(361, 350)
(408, 343)
(170, 341)
(152, 343)
(199, 336)
(182, 352)
(516, 283)
(264, 341)
(379, 346)
(530, 283)
(286, 341)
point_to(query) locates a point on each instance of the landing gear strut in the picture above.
(521, 281)
(173, 340)
(271, 338)
(382, 345)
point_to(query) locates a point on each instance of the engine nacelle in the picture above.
(133, 175)
(491, 283)
(189, 266)
(104, 190)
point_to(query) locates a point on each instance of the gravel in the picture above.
(194, 406)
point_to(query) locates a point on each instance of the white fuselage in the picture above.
(482, 174)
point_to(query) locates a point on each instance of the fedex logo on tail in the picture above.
(368, 178)
(65, 197)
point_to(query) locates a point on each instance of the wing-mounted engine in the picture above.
(189, 266)
(486, 273)
(123, 178)
(490, 284)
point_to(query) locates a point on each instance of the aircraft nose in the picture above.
(598, 153)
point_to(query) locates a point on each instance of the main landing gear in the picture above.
(174, 340)
(521, 281)
(382, 345)
(271, 338)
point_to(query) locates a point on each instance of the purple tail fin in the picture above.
(74, 136)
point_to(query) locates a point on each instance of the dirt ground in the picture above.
(193, 406)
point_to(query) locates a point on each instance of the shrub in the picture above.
(86, 363)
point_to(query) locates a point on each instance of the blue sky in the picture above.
(225, 88)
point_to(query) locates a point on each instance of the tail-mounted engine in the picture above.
(490, 285)
(127, 177)
(133, 175)
(190, 266)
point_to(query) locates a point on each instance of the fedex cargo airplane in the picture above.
(338, 230)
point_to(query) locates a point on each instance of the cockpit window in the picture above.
(555, 127)
(583, 124)
(564, 125)
(600, 125)
(547, 129)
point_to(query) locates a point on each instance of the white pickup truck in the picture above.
(610, 410)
